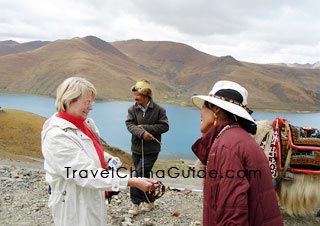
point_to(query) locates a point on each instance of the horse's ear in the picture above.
(281, 122)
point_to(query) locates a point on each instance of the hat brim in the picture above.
(198, 101)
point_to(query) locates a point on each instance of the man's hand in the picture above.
(147, 136)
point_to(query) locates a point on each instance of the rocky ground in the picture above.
(23, 201)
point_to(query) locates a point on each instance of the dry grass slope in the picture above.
(20, 133)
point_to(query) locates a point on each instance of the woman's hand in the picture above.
(114, 163)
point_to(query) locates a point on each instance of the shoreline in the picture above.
(170, 102)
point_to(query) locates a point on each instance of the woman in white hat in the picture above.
(238, 188)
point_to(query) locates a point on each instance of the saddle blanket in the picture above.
(301, 158)
(305, 136)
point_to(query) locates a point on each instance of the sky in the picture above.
(258, 31)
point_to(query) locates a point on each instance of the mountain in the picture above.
(296, 65)
(176, 71)
(8, 43)
(184, 67)
(9, 46)
(191, 71)
(40, 71)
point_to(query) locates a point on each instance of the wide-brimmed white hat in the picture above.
(229, 96)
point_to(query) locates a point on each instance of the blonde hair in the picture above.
(71, 89)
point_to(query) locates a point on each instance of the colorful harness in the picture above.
(291, 148)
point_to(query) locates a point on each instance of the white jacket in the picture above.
(76, 198)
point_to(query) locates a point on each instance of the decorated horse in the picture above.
(294, 160)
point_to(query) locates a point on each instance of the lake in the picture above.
(110, 118)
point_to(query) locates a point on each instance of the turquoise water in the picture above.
(110, 118)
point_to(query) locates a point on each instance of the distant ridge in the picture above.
(104, 46)
(306, 66)
(176, 71)
(9, 46)
(8, 43)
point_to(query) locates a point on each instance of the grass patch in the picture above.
(20, 133)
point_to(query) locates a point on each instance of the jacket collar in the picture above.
(64, 124)
(204, 143)
(150, 104)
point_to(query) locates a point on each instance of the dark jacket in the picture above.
(154, 121)
(238, 187)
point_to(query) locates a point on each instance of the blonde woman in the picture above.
(74, 160)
